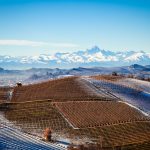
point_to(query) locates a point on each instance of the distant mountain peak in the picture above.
(94, 49)
(93, 57)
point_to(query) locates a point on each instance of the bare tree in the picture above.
(47, 134)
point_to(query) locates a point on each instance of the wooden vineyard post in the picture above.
(101, 141)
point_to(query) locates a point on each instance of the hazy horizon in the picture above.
(73, 51)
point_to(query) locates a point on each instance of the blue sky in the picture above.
(32, 27)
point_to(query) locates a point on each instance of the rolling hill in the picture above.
(83, 111)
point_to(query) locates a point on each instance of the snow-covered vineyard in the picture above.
(134, 92)
(12, 138)
(80, 113)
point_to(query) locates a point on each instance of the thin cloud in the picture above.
(34, 43)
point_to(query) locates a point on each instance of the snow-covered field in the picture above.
(132, 91)
(137, 84)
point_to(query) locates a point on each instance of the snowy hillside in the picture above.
(132, 91)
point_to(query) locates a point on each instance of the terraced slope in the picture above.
(98, 113)
(65, 89)
(110, 124)
(34, 117)
(126, 136)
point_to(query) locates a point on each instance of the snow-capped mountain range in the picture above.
(89, 58)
